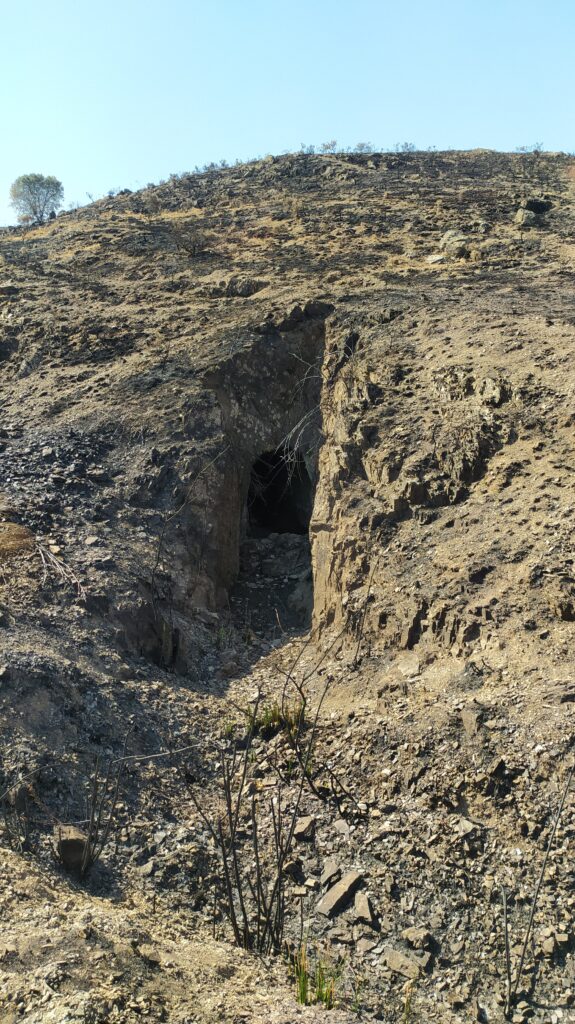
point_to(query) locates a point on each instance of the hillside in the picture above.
(301, 429)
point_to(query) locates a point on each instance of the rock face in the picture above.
(437, 418)
(333, 391)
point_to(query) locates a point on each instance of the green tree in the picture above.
(36, 196)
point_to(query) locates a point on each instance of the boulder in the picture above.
(304, 828)
(70, 845)
(402, 963)
(526, 218)
(454, 243)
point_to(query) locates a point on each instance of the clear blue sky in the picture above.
(116, 94)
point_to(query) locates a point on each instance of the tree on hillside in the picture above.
(36, 196)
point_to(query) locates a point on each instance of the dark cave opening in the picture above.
(274, 590)
(280, 495)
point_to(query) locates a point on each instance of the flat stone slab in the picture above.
(403, 963)
(363, 911)
(340, 894)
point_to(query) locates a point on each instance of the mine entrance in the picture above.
(274, 590)
(280, 494)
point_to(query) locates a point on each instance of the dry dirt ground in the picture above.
(298, 427)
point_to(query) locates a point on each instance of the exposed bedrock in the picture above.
(257, 476)
(427, 529)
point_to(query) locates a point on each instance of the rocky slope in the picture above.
(372, 351)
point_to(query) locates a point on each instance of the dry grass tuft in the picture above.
(14, 540)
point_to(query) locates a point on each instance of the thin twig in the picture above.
(66, 574)
(229, 887)
(507, 1008)
(92, 805)
(538, 887)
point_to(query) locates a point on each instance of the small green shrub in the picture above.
(324, 985)
(275, 718)
(314, 984)
(301, 972)
(228, 729)
(408, 1003)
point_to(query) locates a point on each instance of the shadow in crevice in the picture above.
(280, 495)
(273, 596)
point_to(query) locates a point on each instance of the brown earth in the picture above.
(376, 352)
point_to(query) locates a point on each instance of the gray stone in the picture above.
(419, 938)
(401, 963)
(304, 828)
(471, 721)
(339, 895)
(526, 219)
(363, 911)
(454, 243)
(365, 945)
(342, 827)
(331, 872)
